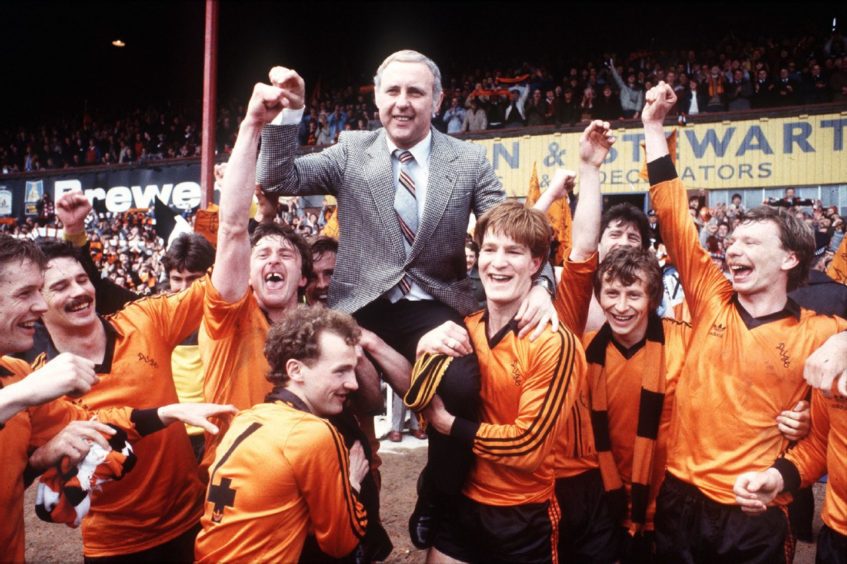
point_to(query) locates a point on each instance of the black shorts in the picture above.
(691, 527)
(473, 532)
(832, 547)
(587, 533)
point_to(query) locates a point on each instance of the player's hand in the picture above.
(595, 142)
(265, 104)
(657, 103)
(72, 209)
(796, 423)
(359, 466)
(267, 206)
(74, 441)
(438, 416)
(562, 184)
(448, 338)
(755, 490)
(827, 365)
(535, 313)
(67, 374)
(292, 85)
(196, 414)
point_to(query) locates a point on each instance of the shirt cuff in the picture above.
(464, 431)
(289, 117)
(661, 170)
(146, 421)
(790, 474)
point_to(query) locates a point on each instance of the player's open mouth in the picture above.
(274, 280)
(622, 318)
(740, 272)
(28, 325)
(77, 305)
(402, 119)
(499, 277)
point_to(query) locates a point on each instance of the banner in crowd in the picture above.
(176, 184)
(757, 153)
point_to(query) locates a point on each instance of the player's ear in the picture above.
(294, 369)
(789, 261)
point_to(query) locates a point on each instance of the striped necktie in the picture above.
(406, 206)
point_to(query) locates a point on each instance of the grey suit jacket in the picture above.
(371, 256)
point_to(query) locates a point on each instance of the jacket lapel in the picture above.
(442, 179)
(380, 178)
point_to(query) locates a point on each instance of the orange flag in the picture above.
(671, 149)
(206, 224)
(559, 214)
(331, 227)
(560, 218)
(534, 188)
(837, 269)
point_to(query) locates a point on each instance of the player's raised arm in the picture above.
(232, 263)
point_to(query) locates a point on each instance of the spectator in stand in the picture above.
(785, 89)
(567, 111)
(549, 103)
(586, 105)
(608, 106)
(790, 200)
(739, 91)
(454, 117)
(535, 110)
(693, 101)
(762, 90)
(475, 118)
(515, 115)
(815, 87)
(336, 121)
(716, 90)
(323, 134)
(631, 96)
(495, 111)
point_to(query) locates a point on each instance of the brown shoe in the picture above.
(395, 436)
(419, 434)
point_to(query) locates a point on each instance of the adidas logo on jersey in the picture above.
(717, 330)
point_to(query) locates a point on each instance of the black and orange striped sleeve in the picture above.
(548, 391)
(321, 465)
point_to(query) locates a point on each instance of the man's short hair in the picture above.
(794, 234)
(409, 56)
(297, 335)
(15, 251)
(524, 225)
(323, 245)
(297, 241)
(191, 252)
(627, 213)
(628, 265)
(53, 249)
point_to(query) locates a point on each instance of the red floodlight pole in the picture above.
(210, 80)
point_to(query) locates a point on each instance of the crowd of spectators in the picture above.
(715, 224)
(127, 248)
(732, 74)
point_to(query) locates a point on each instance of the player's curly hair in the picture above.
(627, 265)
(297, 336)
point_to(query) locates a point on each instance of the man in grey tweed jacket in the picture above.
(400, 293)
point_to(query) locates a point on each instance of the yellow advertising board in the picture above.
(756, 153)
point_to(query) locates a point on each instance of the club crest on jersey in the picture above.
(783, 355)
(517, 376)
(222, 496)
